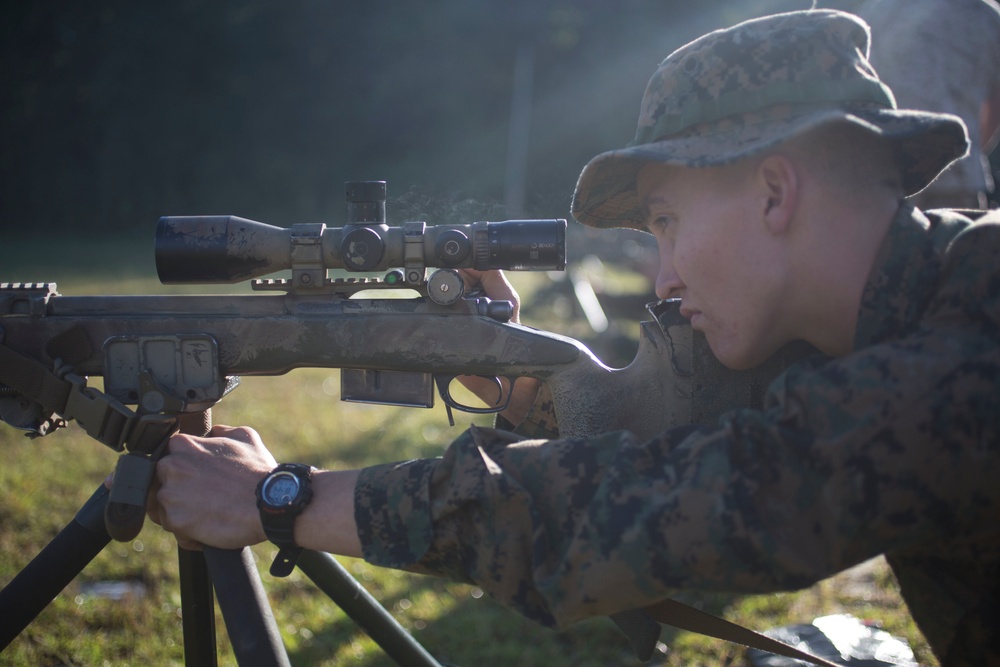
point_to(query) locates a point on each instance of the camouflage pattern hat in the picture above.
(736, 92)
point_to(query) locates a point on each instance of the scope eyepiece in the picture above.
(522, 245)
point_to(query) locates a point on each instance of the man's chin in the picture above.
(735, 359)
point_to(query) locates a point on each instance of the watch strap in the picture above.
(279, 528)
(285, 561)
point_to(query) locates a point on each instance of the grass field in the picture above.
(45, 481)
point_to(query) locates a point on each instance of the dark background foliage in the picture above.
(116, 112)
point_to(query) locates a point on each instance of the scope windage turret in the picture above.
(228, 249)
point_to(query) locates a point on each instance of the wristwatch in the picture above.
(281, 496)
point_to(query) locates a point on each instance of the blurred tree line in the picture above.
(117, 112)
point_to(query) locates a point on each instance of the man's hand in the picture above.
(497, 287)
(204, 491)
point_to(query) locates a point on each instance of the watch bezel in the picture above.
(280, 475)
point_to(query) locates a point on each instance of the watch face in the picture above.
(280, 489)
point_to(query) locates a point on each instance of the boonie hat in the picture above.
(738, 91)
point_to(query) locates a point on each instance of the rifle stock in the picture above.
(183, 350)
(187, 345)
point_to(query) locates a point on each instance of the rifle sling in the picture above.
(684, 617)
(33, 380)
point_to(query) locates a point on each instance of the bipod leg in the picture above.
(250, 623)
(53, 568)
(197, 609)
(331, 578)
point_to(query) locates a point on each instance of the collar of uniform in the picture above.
(901, 281)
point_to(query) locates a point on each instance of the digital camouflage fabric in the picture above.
(739, 91)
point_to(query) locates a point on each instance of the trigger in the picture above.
(496, 381)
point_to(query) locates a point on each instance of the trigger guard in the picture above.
(443, 384)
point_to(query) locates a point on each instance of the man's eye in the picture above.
(659, 223)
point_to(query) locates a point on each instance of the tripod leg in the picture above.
(53, 568)
(331, 577)
(249, 620)
(197, 609)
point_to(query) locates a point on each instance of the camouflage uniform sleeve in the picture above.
(540, 422)
(891, 448)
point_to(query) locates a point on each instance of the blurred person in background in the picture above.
(944, 55)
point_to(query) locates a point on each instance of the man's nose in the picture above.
(668, 283)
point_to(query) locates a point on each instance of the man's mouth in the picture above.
(693, 315)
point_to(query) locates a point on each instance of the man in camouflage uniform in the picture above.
(771, 165)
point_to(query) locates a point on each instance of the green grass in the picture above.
(45, 481)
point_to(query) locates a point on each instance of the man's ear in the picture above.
(778, 181)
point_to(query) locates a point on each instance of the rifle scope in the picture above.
(229, 249)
